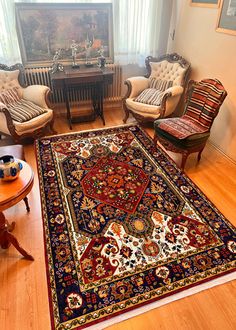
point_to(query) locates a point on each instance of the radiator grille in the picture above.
(40, 76)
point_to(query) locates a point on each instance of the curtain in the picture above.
(137, 28)
(9, 48)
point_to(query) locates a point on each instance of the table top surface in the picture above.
(11, 192)
(82, 72)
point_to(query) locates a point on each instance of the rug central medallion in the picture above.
(116, 183)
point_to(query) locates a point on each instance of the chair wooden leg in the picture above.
(126, 117)
(51, 127)
(183, 162)
(200, 154)
(155, 139)
(126, 113)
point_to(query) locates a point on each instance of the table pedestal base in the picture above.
(6, 238)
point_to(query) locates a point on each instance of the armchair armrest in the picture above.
(135, 86)
(170, 100)
(174, 91)
(6, 123)
(2, 106)
(4, 110)
(37, 94)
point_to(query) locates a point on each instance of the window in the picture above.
(137, 29)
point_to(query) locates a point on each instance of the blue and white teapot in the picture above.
(9, 168)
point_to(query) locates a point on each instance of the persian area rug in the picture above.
(123, 226)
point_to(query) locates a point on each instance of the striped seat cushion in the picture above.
(23, 110)
(181, 128)
(203, 103)
(150, 96)
(20, 110)
(160, 84)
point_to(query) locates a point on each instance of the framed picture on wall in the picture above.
(205, 3)
(81, 30)
(226, 22)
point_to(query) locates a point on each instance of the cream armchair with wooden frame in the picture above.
(24, 111)
(157, 94)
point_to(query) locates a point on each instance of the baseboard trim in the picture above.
(222, 152)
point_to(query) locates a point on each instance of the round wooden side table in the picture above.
(12, 192)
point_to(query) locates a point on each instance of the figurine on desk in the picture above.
(101, 59)
(56, 66)
(88, 48)
(74, 47)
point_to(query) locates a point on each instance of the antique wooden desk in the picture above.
(93, 79)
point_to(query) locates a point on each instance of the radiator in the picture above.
(40, 76)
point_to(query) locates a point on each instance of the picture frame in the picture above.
(226, 21)
(65, 32)
(205, 3)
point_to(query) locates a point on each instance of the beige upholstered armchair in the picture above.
(24, 111)
(158, 93)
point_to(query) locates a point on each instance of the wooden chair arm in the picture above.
(10, 124)
(135, 86)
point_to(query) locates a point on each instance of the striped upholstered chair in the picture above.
(189, 133)
(24, 111)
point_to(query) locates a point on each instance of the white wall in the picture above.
(212, 55)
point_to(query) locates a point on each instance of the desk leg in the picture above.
(95, 100)
(6, 238)
(101, 103)
(27, 204)
(65, 92)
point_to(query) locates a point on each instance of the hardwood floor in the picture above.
(23, 286)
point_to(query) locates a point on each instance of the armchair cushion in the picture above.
(35, 123)
(20, 110)
(150, 96)
(23, 110)
(9, 96)
(145, 109)
(160, 84)
(153, 96)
